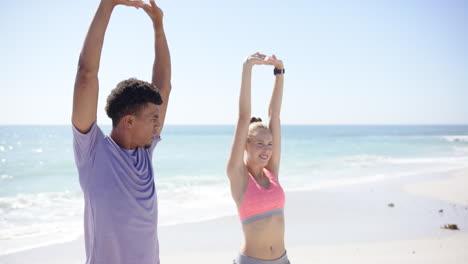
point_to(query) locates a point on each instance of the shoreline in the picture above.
(330, 225)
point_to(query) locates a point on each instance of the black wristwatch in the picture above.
(278, 71)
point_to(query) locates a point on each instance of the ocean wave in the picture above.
(329, 184)
(374, 178)
(31, 215)
(364, 160)
(176, 182)
(367, 160)
(456, 138)
(430, 160)
(20, 238)
(461, 150)
(29, 220)
(39, 200)
(5, 177)
(184, 204)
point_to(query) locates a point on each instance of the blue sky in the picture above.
(347, 62)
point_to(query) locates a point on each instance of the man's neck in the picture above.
(121, 138)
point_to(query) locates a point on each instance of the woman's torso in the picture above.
(263, 238)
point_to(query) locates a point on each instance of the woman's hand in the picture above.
(275, 62)
(134, 3)
(255, 59)
(262, 59)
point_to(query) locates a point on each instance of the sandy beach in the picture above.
(393, 221)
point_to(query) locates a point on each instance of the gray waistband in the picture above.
(243, 259)
(262, 215)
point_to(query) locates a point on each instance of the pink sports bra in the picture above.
(258, 202)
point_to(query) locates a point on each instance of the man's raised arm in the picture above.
(162, 59)
(86, 83)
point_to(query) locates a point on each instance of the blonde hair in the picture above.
(255, 125)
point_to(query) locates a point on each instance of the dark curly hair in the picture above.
(129, 97)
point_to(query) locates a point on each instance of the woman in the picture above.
(253, 168)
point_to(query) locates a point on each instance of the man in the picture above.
(115, 171)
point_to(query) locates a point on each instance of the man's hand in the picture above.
(154, 12)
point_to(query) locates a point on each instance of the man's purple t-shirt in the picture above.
(121, 211)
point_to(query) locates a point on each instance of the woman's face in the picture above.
(259, 147)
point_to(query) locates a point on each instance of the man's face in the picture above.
(146, 125)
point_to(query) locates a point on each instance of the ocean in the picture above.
(41, 201)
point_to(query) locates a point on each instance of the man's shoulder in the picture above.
(93, 131)
(86, 145)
